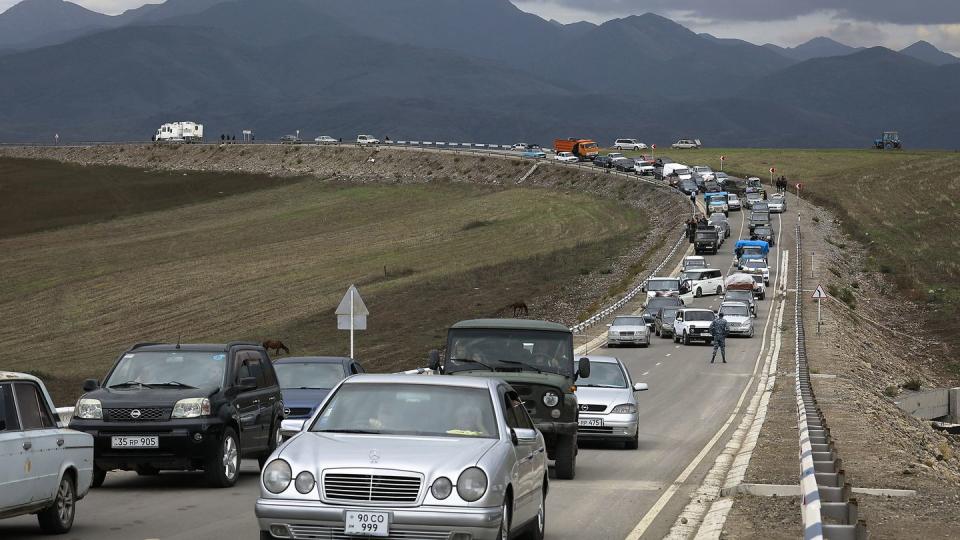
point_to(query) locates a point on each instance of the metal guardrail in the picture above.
(826, 494)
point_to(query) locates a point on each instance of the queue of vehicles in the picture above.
(510, 397)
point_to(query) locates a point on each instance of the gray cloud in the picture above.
(891, 11)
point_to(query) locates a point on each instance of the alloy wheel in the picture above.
(230, 457)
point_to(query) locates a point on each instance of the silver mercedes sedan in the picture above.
(403, 456)
(608, 403)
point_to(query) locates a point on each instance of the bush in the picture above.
(844, 294)
(891, 391)
(816, 219)
(912, 383)
(476, 224)
(886, 269)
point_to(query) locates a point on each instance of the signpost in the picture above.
(819, 294)
(653, 149)
(772, 170)
(352, 314)
(722, 159)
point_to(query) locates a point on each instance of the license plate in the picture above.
(590, 422)
(135, 441)
(366, 523)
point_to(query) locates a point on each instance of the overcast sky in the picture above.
(891, 23)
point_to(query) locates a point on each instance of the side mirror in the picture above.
(289, 428)
(640, 387)
(245, 384)
(583, 370)
(519, 435)
(90, 385)
(434, 360)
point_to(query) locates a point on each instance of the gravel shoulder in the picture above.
(858, 367)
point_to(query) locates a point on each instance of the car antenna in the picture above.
(178, 340)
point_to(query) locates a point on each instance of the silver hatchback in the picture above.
(608, 403)
(407, 456)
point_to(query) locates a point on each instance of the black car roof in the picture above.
(201, 347)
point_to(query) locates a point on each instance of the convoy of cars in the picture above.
(463, 454)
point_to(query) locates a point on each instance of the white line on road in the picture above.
(658, 506)
(645, 373)
(658, 363)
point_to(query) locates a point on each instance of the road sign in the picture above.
(352, 314)
(653, 146)
(723, 158)
(819, 293)
(773, 170)
(799, 186)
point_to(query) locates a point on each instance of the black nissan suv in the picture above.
(183, 407)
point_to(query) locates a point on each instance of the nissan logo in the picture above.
(135, 413)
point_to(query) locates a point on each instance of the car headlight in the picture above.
(626, 408)
(277, 475)
(550, 399)
(191, 408)
(89, 409)
(442, 488)
(305, 482)
(472, 484)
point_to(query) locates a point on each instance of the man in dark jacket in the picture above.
(719, 330)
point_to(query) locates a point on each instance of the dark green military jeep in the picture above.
(536, 359)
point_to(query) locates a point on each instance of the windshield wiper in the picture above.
(173, 383)
(518, 363)
(360, 431)
(128, 384)
(472, 361)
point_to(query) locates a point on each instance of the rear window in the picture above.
(698, 316)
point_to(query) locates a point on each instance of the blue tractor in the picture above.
(890, 139)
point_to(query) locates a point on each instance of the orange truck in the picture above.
(585, 149)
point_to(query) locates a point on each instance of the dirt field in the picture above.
(272, 257)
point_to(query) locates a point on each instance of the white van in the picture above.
(702, 281)
(663, 286)
(681, 171)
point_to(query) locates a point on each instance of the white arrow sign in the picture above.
(819, 293)
(352, 314)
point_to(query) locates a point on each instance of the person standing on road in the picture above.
(719, 330)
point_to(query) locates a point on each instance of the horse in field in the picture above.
(520, 309)
(276, 345)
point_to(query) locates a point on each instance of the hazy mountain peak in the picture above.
(926, 52)
(31, 20)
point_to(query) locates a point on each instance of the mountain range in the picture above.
(479, 70)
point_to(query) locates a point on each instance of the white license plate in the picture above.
(361, 523)
(590, 422)
(135, 441)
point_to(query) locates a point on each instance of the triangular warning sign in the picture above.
(359, 308)
(819, 293)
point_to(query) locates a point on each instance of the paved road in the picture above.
(688, 402)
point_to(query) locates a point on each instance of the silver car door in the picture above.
(526, 453)
(14, 456)
(45, 440)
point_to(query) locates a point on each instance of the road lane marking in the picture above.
(674, 487)
(658, 363)
(645, 373)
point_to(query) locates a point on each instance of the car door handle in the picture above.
(59, 442)
(256, 402)
(27, 445)
(273, 398)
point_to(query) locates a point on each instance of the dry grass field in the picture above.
(235, 257)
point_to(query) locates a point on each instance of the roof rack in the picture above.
(238, 343)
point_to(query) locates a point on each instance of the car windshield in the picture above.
(754, 196)
(604, 375)
(707, 235)
(762, 231)
(698, 316)
(308, 374)
(737, 310)
(501, 349)
(628, 321)
(669, 314)
(738, 295)
(663, 285)
(199, 369)
(732, 197)
(681, 171)
(755, 263)
(422, 410)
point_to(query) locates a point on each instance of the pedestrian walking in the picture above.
(719, 330)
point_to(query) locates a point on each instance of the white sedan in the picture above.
(325, 139)
(628, 330)
(44, 468)
(566, 157)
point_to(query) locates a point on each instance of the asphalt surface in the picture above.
(688, 402)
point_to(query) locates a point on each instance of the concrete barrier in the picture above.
(932, 404)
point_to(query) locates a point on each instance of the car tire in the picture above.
(58, 517)
(699, 292)
(686, 338)
(275, 440)
(504, 533)
(676, 338)
(265, 535)
(763, 296)
(566, 457)
(538, 528)
(223, 468)
(750, 335)
(719, 290)
(99, 476)
(634, 443)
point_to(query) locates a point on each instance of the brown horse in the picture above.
(276, 345)
(519, 309)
